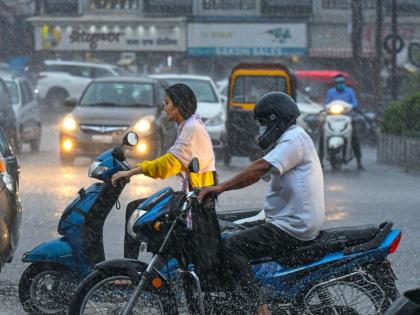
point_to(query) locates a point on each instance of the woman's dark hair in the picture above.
(184, 98)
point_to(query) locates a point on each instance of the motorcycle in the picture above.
(344, 271)
(57, 266)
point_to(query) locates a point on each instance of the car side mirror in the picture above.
(223, 99)
(70, 101)
(194, 166)
(130, 138)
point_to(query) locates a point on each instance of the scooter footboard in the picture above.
(56, 251)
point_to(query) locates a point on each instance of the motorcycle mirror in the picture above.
(194, 166)
(130, 138)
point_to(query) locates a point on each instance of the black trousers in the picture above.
(264, 240)
(202, 247)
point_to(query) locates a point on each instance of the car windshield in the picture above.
(118, 94)
(203, 89)
(12, 86)
(4, 145)
(249, 88)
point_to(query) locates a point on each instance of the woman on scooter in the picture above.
(192, 141)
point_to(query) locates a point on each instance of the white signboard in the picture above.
(138, 38)
(247, 39)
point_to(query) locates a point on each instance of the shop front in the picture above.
(227, 44)
(157, 42)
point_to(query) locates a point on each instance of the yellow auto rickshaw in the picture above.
(247, 83)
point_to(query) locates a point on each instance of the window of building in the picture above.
(229, 4)
(168, 7)
(60, 7)
(114, 4)
(287, 7)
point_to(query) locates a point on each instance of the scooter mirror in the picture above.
(130, 139)
(194, 166)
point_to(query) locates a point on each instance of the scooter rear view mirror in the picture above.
(194, 166)
(130, 138)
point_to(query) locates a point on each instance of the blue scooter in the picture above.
(344, 271)
(57, 265)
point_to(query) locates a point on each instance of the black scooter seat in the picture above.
(347, 239)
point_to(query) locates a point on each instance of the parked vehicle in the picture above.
(211, 106)
(61, 79)
(10, 206)
(47, 284)
(110, 107)
(247, 83)
(337, 133)
(26, 109)
(345, 271)
(8, 119)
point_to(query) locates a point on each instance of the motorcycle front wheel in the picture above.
(107, 292)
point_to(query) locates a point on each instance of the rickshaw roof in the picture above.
(323, 75)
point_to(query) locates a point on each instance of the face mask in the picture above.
(340, 86)
(263, 129)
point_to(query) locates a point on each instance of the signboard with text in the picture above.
(67, 37)
(247, 39)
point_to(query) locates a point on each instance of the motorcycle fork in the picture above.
(146, 275)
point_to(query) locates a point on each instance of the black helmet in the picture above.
(276, 111)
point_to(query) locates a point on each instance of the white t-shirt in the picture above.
(295, 198)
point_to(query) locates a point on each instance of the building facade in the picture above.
(211, 36)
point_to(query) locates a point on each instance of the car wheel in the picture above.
(35, 144)
(67, 159)
(158, 145)
(55, 98)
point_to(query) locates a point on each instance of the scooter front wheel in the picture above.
(107, 292)
(46, 288)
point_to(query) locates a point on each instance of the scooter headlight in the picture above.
(96, 169)
(133, 219)
(335, 109)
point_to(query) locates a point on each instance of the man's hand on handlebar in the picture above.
(119, 175)
(214, 190)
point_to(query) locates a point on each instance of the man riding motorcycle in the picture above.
(342, 92)
(294, 203)
(192, 141)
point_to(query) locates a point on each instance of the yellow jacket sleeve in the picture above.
(163, 167)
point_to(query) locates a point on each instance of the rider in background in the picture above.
(341, 92)
(345, 93)
(294, 204)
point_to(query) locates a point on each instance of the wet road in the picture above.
(381, 193)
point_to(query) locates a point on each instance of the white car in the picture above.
(306, 106)
(61, 79)
(210, 105)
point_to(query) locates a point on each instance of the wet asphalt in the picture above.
(378, 194)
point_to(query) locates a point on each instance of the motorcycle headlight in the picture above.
(144, 126)
(133, 219)
(69, 123)
(215, 120)
(8, 182)
(335, 109)
(96, 169)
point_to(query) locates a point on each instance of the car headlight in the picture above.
(144, 126)
(69, 123)
(215, 120)
(96, 169)
(9, 182)
(133, 219)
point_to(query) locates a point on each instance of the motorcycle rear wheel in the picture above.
(106, 292)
